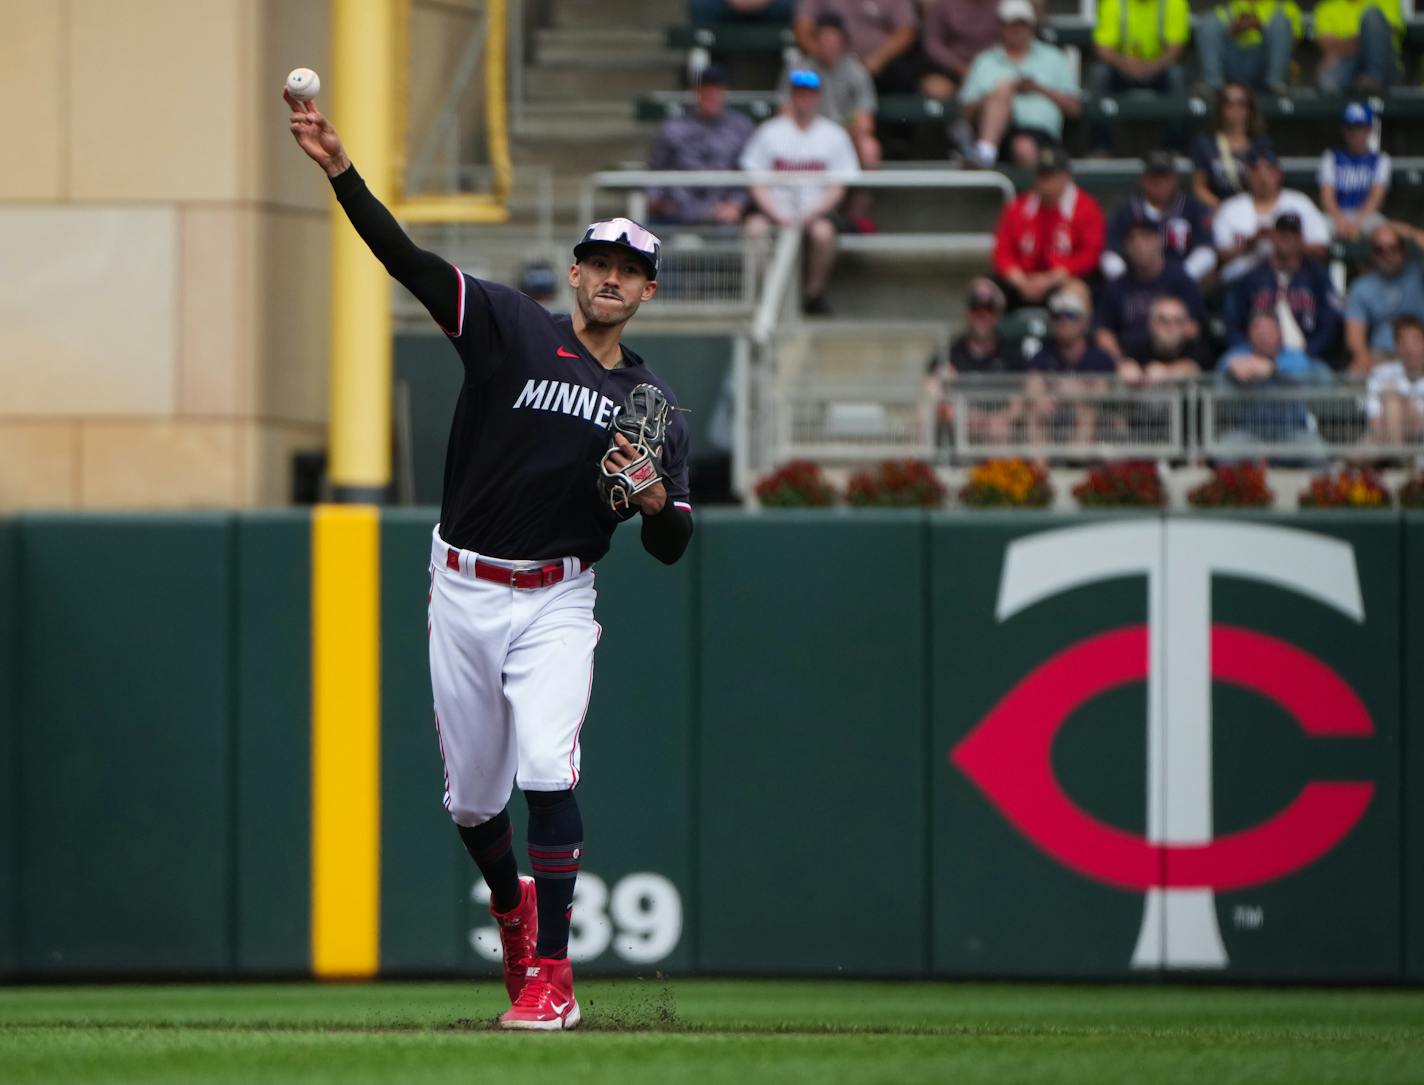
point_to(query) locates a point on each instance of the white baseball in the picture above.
(303, 84)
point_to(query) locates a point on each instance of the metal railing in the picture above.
(635, 181)
(703, 277)
(1093, 419)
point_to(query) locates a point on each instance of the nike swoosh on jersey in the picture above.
(562, 353)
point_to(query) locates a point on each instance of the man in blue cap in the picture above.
(1354, 181)
(802, 141)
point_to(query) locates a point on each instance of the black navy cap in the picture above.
(626, 234)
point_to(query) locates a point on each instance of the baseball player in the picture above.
(533, 490)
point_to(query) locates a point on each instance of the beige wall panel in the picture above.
(156, 99)
(267, 460)
(91, 325)
(33, 98)
(218, 282)
(39, 464)
(159, 463)
(294, 302)
(290, 34)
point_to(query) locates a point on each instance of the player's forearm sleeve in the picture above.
(667, 534)
(429, 277)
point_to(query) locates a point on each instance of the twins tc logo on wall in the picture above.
(1180, 863)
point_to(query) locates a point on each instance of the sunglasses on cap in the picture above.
(624, 233)
(1066, 314)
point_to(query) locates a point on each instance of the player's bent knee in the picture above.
(467, 817)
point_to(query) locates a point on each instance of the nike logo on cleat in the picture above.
(559, 1007)
(562, 353)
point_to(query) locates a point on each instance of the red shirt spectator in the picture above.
(1050, 234)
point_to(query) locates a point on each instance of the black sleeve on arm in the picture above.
(432, 280)
(667, 534)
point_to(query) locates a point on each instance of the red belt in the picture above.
(541, 576)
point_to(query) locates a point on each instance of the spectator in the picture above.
(848, 98)
(1295, 288)
(1359, 43)
(1248, 42)
(1139, 46)
(1220, 155)
(716, 12)
(1393, 289)
(1354, 181)
(538, 282)
(1075, 366)
(1263, 364)
(1264, 344)
(1394, 397)
(1184, 224)
(978, 351)
(847, 93)
(1126, 302)
(709, 138)
(1049, 235)
(955, 32)
(1242, 227)
(1017, 93)
(801, 140)
(1171, 350)
(882, 34)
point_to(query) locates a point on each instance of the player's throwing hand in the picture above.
(315, 135)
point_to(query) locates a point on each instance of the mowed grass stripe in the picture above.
(715, 1031)
(146, 1055)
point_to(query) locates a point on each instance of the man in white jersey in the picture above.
(1242, 225)
(804, 141)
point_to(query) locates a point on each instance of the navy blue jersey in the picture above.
(1313, 301)
(1185, 224)
(530, 426)
(1124, 304)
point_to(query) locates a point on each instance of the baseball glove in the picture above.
(643, 421)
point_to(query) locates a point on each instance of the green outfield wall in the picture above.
(845, 743)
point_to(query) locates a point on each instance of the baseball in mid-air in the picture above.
(303, 83)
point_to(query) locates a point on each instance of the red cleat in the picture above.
(518, 934)
(547, 1003)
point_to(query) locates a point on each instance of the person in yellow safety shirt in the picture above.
(1139, 45)
(1359, 45)
(1248, 41)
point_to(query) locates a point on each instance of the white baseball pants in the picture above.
(511, 670)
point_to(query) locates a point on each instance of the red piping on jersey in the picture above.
(459, 308)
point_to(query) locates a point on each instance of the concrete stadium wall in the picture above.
(963, 704)
(162, 334)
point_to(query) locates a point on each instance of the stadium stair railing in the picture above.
(856, 422)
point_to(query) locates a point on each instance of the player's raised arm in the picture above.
(433, 281)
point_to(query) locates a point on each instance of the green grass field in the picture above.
(714, 1031)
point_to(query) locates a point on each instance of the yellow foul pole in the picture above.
(346, 722)
(363, 107)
